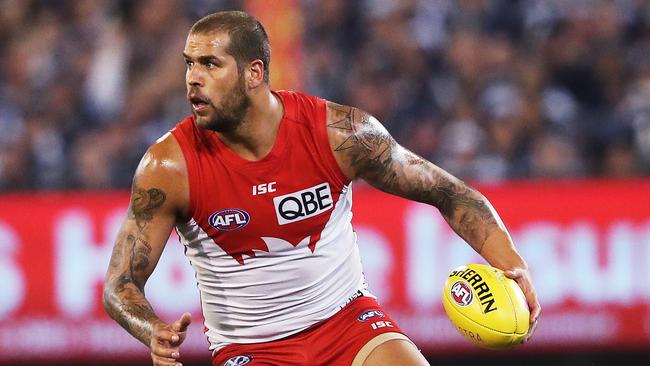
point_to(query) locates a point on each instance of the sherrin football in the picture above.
(485, 306)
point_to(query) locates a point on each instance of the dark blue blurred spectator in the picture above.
(489, 89)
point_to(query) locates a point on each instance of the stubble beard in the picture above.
(230, 115)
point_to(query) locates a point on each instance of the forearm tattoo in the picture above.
(375, 156)
(466, 210)
(124, 298)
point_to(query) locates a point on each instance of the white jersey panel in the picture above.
(280, 292)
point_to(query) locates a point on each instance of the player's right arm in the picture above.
(364, 149)
(158, 200)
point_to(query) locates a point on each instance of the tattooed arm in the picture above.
(364, 149)
(158, 199)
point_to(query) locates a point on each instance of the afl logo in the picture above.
(462, 293)
(229, 219)
(369, 314)
(239, 360)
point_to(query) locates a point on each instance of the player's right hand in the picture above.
(522, 277)
(166, 340)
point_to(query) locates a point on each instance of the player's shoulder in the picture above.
(163, 167)
(304, 98)
(166, 152)
(299, 105)
(292, 94)
(340, 117)
(345, 120)
(163, 163)
(336, 111)
(163, 159)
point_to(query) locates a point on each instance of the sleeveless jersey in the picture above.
(271, 240)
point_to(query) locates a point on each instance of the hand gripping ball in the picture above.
(486, 307)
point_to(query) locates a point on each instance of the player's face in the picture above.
(215, 86)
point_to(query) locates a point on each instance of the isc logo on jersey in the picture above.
(303, 204)
(229, 219)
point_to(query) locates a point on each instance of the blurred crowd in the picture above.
(488, 89)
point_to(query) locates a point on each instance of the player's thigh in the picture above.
(393, 351)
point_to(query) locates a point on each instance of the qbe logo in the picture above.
(229, 219)
(462, 293)
(239, 360)
(303, 204)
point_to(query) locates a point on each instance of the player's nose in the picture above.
(194, 78)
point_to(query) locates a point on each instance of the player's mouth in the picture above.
(199, 103)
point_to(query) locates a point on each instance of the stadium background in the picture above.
(544, 105)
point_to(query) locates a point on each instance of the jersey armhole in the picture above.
(324, 144)
(190, 166)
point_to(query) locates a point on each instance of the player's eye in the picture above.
(210, 65)
(189, 63)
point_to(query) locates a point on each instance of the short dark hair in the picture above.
(248, 39)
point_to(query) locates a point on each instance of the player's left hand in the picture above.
(523, 279)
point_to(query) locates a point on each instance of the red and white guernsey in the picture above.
(271, 241)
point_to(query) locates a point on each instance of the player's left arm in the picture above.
(364, 149)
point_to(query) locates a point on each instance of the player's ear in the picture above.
(255, 74)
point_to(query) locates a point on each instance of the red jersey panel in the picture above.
(271, 240)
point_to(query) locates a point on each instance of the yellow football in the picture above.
(486, 307)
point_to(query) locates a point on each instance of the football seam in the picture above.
(479, 324)
(513, 308)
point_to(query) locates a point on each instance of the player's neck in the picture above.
(255, 137)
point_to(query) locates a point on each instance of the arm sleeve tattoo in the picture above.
(128, 270)
(374, 156)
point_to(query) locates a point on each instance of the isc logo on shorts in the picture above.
(239, 360)
(303, 204)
